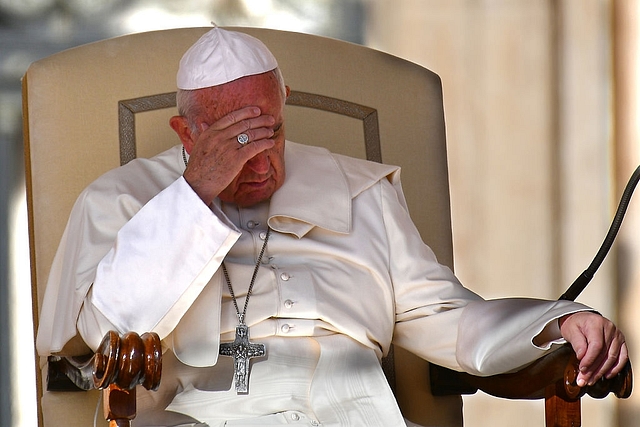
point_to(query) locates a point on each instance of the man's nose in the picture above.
(259, 163)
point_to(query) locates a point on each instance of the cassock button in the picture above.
(288, 303)
(285, 276)
(263, 235)
(285, 328)
(295, 417)
(251, 225)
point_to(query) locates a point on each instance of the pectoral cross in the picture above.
(242, 351)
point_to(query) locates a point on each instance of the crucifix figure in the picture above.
(242, 351)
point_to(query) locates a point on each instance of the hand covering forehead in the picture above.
(221, 56)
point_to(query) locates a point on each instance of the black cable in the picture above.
(583, 280)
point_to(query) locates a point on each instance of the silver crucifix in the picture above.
(242, 350)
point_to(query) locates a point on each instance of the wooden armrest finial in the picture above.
(119, 365)
(621, 385)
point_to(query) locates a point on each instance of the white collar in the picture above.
(318, 189)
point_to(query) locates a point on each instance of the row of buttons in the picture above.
(284, 276)
(295, 416)
(253, 224)
(288, 304)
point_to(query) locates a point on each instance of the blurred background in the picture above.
(541, 102)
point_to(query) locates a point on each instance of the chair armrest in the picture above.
(70, 373)
(532, 381)
(117, 367)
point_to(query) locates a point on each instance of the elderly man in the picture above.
(301, 265)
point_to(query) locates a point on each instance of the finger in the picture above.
(619, 360)
(235, 117)
(622, 362)
(254, 135)
(242, 120)
(249, 125)
(594, 357)
(249, 151)
(578, 343)
(610, 358)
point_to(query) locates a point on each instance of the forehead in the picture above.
(262, 90)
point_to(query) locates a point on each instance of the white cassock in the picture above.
(345, 274)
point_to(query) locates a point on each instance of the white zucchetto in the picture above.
(221, 56)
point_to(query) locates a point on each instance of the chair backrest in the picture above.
(91, 108)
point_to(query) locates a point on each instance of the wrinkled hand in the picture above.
(599, 346)
(217, 157)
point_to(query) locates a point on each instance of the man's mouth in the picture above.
(257, 183)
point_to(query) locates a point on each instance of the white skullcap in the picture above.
(221, 56)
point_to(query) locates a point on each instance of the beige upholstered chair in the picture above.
(89, 109)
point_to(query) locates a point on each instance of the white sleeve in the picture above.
(442, 321)
(160, 262)
(496, 336)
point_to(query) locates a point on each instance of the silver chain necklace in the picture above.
(241, 349)
(184, 157)
(241, 316)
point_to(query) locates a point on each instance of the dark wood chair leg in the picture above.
(560, 410)
(119, 405)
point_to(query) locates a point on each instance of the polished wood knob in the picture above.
(621, 385)
(128, 361)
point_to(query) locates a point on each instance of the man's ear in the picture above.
(181, 127)
(287, 90)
